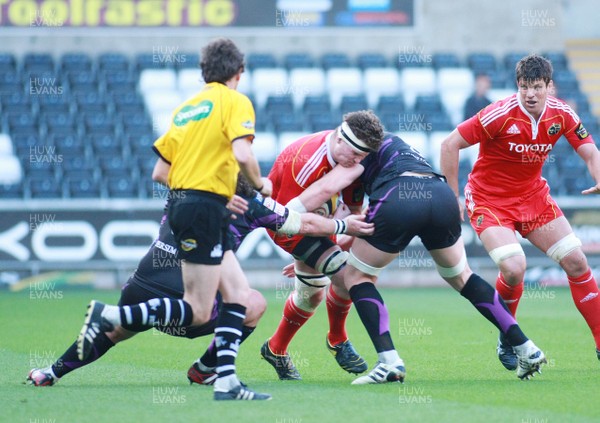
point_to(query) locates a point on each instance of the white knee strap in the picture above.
(307, 285)
(450, 272)
(563, 247)
(362, 266)
(332, 264)
(509, 250)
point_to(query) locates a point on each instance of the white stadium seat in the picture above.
(189, 79)
(158, 79)
(380, 81)
(455, 85)
(416, 81)
(343, 81)
(10, 170)
(417, 140)
(245, 84)
(496, 94)
(6, 145)
(435, 144)
(264, 146)
(269, 81)
(162, 100)
(286, 138)
(304, 82)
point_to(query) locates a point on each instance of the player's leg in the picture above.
(364, 264)
(558, 241)
(203, 370)
(69, 360)
(453, 267)
(236, 292)
(299, 307)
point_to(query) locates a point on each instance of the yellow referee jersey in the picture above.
(198, 143)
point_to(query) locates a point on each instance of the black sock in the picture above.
(227, 337)
(69, 361)
(487, 301)
(374, 315)
(209, 359)
(156, 312)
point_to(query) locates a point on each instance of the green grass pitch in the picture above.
(449, 350)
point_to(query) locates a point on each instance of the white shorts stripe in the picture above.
(128, 316)
(226, 352)
(225, 368)
(182, 310)
(167, 311)
(235, 313)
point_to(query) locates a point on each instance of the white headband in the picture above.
(352, 140)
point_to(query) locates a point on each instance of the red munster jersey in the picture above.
(513, 146)
(301, 164)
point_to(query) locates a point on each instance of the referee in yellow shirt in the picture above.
(208, 143)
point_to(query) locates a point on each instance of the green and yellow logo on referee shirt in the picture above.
(193, 112)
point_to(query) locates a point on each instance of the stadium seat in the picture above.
(40, 187)
(112, 62)
(245, 84)
(286, 138)
(558, 59)
(417, 140)
(187, 60)
(335, 60)
(343, 81)
(455, 85)
(430, 103)
(269, 81)
(287, 121)
(353, 103)
(161, 100)
(121, 186)
(314, 104)
(38, 62)
(391, 104)
(189, 82)
(298, 60)
(82, 187)
(323, 122)
(6, 145)
(265, 146)
(481, 62)
(157, 79)
(565, 82)
(416, 81)
(75, 62)
(511, 59)
(306, 82)
(279, 104)
(8, 63)
(11, 191)
(445, 60)
(380, 81)
(150, 61)
(371, 60)
(260, 61)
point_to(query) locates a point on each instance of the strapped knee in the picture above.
(333, 263)
(307, 285)
(509, 250)
(563, 247)
(362, 266)
(450, 272)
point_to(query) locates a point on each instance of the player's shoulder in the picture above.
(560, 107)
(498, 110)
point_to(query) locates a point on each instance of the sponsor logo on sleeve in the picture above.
(581, 132)
(248, 124)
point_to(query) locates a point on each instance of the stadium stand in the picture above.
(82, 126)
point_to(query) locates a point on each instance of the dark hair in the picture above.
(244, 188)
(367, 127)
(221, 60)
(532, 68)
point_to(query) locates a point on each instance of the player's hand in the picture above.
(593, 190)
(357, 226)
(237, 205)
(267, 188)
(345, 242)
(289, 271)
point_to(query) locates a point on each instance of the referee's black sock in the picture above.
(69, 360)
(156, 312)
(227, 338)
(209, 358)
(487, 301)
(374, 315)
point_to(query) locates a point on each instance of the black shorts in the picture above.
(410, 206)
(200, 224)
(134, 293)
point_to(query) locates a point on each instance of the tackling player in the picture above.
(407, 199)
(162, 278)
(307, 174)
(506, 192)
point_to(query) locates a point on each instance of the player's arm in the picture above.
(160, 173)
(590, 155)
(242, 150)
(315, 225)
(449, 157)
(325, 188)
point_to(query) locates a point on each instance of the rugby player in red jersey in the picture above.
(506, 192)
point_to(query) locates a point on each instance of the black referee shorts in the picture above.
(200, 224)
(410, 206)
